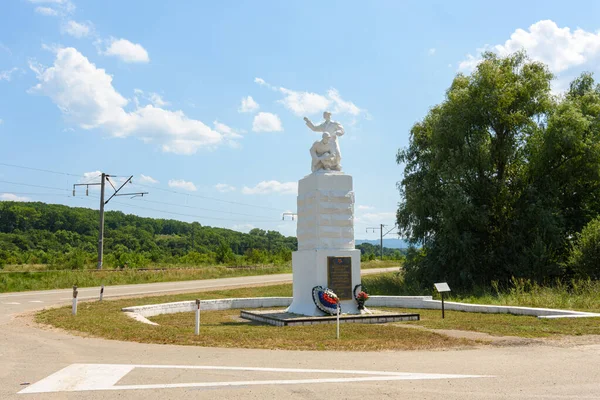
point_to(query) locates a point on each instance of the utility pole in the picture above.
(381, 235)
(101, 228)
(105, 178)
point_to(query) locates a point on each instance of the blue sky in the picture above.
(202, 102)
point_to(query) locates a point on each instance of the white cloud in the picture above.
(181, 184)
(342, 106)
(266, 187)
(230, 135)
(47, 11)
(308, 103)
(224, 188)
(226, 131)
(244, 228)
(248, 105)
(559, 48)
(86, 96)
(127, 51)
(153, 98)
(91, 177)
(302, 103)
(60, 7)
(147, 179)
(431, 51)
(266, 122)
(1, 121)
(12, 197)
(7, 75)
(376, 218)
(361, 207)
(471, 62)
(77, 29)
(157, 100)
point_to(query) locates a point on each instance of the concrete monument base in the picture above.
(326, 253)
(310, 269)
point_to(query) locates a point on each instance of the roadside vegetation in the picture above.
(37, 277)
(573, 294)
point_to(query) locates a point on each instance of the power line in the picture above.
(200, 208)
(141, 184)
(210, 198)
(192, 215)
(40, 170)
(35, 186)
(265, 219)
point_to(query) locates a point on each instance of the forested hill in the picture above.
(57, 234)
(62, 236)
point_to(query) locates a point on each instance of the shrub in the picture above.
(585, 256)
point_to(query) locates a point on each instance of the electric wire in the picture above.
(141, 184)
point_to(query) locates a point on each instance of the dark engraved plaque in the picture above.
(339, 276)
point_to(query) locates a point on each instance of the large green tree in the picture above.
(501, 175)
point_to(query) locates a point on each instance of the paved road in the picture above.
(137, 371)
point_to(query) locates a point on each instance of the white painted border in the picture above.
(90, 377)
(423, 302)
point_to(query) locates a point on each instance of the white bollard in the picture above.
(338, 320)
(101, 292)
(197, 330)
(74, 311)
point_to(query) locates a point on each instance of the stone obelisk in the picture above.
(326, 253)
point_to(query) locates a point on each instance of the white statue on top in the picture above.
(326, 153)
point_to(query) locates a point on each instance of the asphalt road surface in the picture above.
(42, 363)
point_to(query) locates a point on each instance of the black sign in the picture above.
(339, 276)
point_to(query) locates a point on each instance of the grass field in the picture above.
(225, 329)
(35, 277)
(581, 295)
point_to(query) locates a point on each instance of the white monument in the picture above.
(326, 254)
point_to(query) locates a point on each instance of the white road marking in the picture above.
(35, 301)
(86, 377)
(12, 303)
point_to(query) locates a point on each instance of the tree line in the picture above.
(67, 237)
(502, 179)
(58, 235)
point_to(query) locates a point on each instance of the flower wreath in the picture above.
(325, 300)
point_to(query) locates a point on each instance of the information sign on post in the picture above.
(442, 288)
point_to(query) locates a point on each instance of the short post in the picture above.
(197, 330)
(442, 288)
(338, 321)
(74, 311)
(101, 292)
(442, 305)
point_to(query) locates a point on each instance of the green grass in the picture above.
(581, 295)
(225, 329)
(18, 278)
(506, 324)
(21, 281)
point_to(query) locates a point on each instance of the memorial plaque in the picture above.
(339, 276)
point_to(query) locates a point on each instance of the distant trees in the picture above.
(62, 236)
(501, 176)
